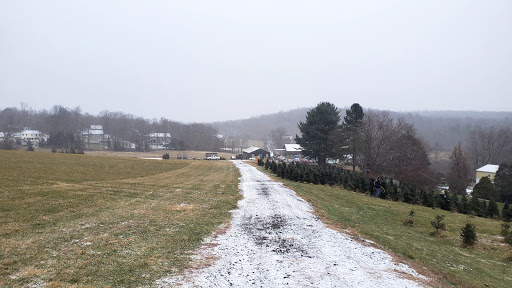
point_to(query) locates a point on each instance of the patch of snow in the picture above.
(274, 241)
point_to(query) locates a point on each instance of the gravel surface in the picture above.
(275, 241)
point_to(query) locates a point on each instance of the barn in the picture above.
(255, 152)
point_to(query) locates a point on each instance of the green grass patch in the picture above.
(487, 264)
(106, 221)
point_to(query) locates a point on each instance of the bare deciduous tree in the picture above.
(393, 148)
(277, 136)
(489, 146)
(378, 134)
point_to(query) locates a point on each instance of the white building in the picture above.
(94, 137)
(34, 136)
(159, 140)
(488, 170)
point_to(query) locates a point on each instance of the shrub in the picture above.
(410, 221)
(505, 229)
(506, 213)
(438, 225)
(30, 146)
(508, 239)
(165, 156)
(506, 233)
(468, 235)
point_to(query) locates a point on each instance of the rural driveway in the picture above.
(275, 241)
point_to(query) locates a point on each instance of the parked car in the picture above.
(213, 157)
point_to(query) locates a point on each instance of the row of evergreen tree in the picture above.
(358, 182)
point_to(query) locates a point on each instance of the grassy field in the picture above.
(488, 264)
(96, 221)
(173, 154)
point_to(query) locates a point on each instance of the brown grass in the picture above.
(82, 220)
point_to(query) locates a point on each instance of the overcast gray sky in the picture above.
(202, 61)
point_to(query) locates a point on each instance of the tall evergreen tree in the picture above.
(485, 189)
(321, 132)
(459, 174)
(503, 181)
(352, 124)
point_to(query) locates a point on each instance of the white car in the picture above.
(213, 158)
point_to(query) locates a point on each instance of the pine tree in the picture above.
(438, 225)
(392, 192)
(408, 194)
(492, 210)
(282, 171)
(459, 174)
(506, 213)
(345, 181)
(316, 177)
(483, 209)
(503, 181)
(468, 235)
(322, 177)
(352, 125)
(321, 137)
(464, 205)
(454, 202)
(475, 206)
(485, 189)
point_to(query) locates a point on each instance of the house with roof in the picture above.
(292, 151)
(94, 137)
(34, 136)
(488, 170)
(159, 140)
(254, 152)
(289, 152)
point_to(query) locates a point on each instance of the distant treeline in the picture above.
(440, 129)
(404, 192)
(120, 126)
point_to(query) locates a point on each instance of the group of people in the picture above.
(376, 188)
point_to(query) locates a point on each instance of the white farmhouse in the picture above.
(31, 135)
(94, 137)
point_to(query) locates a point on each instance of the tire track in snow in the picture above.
(274, 241)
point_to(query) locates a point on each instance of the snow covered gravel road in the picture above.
(275, 241)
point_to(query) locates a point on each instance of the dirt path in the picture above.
(274, 241)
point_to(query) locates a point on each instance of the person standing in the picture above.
(378, 187)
